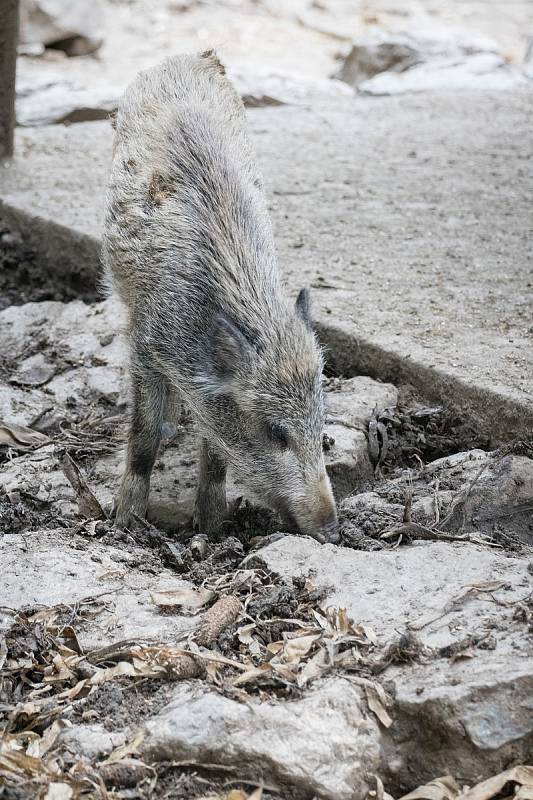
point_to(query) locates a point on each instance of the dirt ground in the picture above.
(246, 618)
(403, 441)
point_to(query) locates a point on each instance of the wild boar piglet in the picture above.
(188, 247)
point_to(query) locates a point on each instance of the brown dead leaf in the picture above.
(447, 788)
(375, 697)
(444, 788)
(314, 668)
(21, 438)
(119, 670)
(20, 764)
(252, 675)
(274, 647)
(244, 634)
(50, 736)
(186, 599)
(369, 633)
(485, 790)
(128, 749)
(294, 650)
(88, 505)
(3, 652)
(112, 575)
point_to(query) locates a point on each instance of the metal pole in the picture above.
(9, 28)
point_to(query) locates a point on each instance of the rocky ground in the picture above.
(154, 663)
(143, 662)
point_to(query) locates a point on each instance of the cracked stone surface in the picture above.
(470, 715)
(324, 744)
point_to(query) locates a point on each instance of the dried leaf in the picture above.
(252, 675)
(88, 505)
(369, 633)
(284, 671)
(314, 668)
(127, 749)
(343, 621)
(320, 618)
(17, 741)
(50, 736)
(189, 599)
(21, 438)
(296, 649)
(244, 633)
(18, 763)
(112, 574)
(104, 675)
(3, 651)
(493, 786)
(445, 788)
(375, 697)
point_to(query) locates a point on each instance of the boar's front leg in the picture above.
(210, 506)
(148, 408)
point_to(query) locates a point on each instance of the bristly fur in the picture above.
(188, 246)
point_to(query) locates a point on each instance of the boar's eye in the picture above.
(278, 434)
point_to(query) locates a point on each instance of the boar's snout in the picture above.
(318, 517)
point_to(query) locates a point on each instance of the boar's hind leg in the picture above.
(210, 507)
(148, 408)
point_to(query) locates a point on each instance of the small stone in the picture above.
(54, 21)
(33, 371)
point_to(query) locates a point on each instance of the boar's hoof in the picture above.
(329, 534)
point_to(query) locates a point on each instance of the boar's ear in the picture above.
(303, 307)
(228, 352)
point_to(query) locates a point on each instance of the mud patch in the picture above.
(26, 278)
(122, 705)
(413, 434)
(20, 513)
